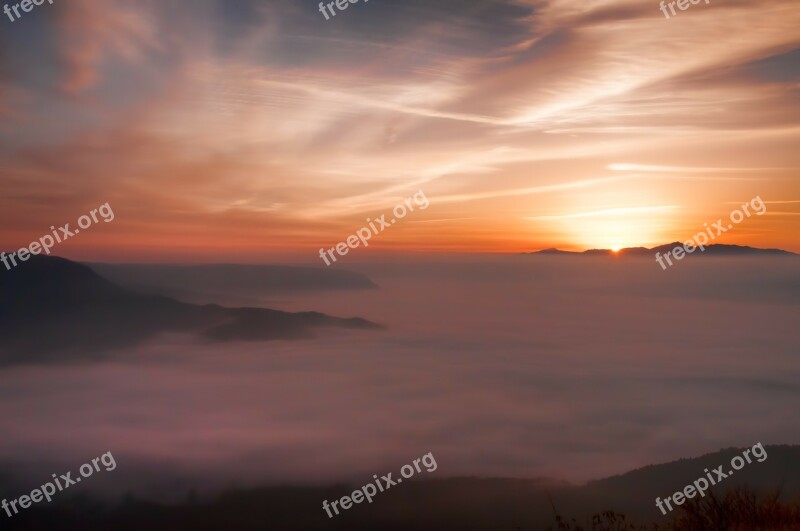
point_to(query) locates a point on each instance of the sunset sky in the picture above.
(244, 130)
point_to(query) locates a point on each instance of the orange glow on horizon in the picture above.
(577, 133)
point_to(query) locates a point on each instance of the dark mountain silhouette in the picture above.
(716, 249)
(206, 283)
(780, 470)
(466, 504)
(49, 305)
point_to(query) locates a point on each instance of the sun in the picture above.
(616, 249)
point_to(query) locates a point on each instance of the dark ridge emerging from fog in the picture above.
(50, 305)
(716, 249)
(200, 283)
(468, 504)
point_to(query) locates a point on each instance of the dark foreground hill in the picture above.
(466, 504)
(49, 306)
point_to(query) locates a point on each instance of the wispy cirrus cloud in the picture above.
(610, 212)
(266, 114)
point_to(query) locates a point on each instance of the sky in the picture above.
(247, 130)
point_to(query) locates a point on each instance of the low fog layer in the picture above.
(225, 283)
(563, 367)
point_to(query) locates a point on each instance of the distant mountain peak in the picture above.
(717, 249)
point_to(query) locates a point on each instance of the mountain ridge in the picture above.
(233, 284)
(50, 304)
(717, 249)
(466, 503)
